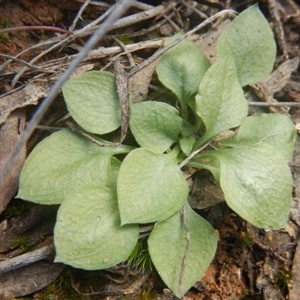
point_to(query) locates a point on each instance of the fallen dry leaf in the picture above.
(29, 279)
(29, 95)
(9, 134)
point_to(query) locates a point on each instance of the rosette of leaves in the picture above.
(104, 199)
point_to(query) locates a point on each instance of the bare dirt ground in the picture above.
(250, 263)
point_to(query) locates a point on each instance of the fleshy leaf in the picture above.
(220, 102)
(182, 68)
(150, 187)
(250, 41)
(168, 247)
(61, 163)
(256, 182)
(155, 125)
(88, 234)
(275, 129)
(93, 102)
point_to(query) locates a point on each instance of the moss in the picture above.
(59, 289)
(4, 35)
(283, 279)
(147, 294)
(246, 295)
(17, 208)
(246, 241)
(23, 243)
(140, 258)
(125, 40)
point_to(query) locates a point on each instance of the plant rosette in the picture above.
(104, 199)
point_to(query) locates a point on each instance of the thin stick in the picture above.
(74, 128)
(82, 8)
(191, 7)
(192, 155)
(23, 62)
(278, 27)
(26, 259)
(120, 8)
(35, 27)
(187, 247)
(142, 16)
(274, 104)
(129, 56)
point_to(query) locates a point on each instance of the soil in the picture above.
(250, 263)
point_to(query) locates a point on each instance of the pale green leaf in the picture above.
(93, 102)
(187, 129)
(155, 125)
(88, 234)
(209, 162)
(250, 41)
(275, 129)
(186, 144)
(220, 102)
(168, 247)
(256, 182)
(61, 163)
(150, 187)
(182, 68)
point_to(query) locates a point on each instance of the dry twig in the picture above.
(26, 259)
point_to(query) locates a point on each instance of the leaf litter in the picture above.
(249, 261)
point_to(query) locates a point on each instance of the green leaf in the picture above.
(220, 102)
(275, 129)
(207, 161)
(93, 102)
(61, 163)
(182, 68)
(88, 234)
(150, 187)
(256, 182)
(187, 129)
(168, 247)
(250, 41)
(186, 144)
(155, 125)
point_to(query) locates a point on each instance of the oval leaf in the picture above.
(171, 248)
(88, 234)
(150, 187)
(155, 125)
(256, 182)
(186, 144)
(182, 68)
(250, 41)
(61, 163)
(275, 129)
(93, 102)
(220, 102)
